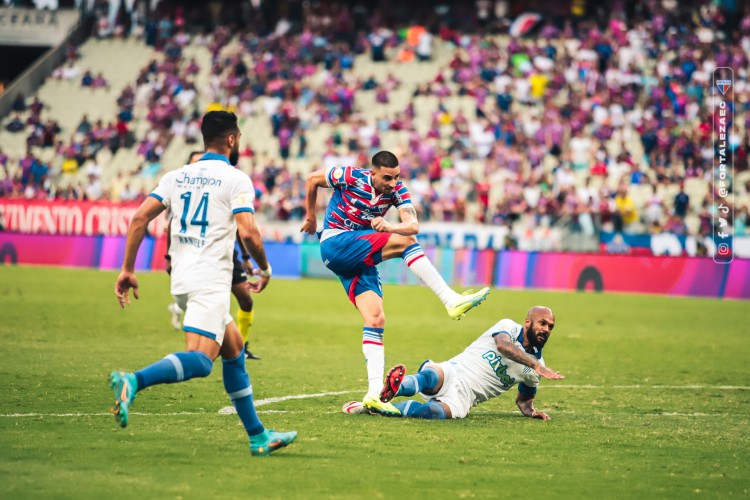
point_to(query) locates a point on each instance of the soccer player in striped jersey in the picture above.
(356, 238)
(505, 355)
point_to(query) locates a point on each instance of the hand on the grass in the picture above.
(379, 224)
(548, 373)
(309, 226)
(124, 283)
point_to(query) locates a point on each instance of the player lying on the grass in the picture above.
(211, 201)
(242, 269)
(356, 238)
(507, 354)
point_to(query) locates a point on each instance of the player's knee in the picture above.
(376, 320)
(405, 242)
(431, 411)
(194, 364)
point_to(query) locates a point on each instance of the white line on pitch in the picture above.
(228, 410)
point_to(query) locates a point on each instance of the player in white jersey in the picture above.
(505, 355)
(211, 202)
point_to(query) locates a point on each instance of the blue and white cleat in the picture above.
(124, 386)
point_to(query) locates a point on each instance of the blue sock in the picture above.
(176, 367)
(240, 390)
(414, 409)
(424, 380)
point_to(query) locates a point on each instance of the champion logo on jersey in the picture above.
(723, 86)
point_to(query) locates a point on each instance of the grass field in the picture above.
(655, 404)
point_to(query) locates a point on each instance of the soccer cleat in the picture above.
(392, 383)
(176, 312)
(269, 441)
(248, 354)
(124, 385)
(374, 405)
(355, 408)
(469, 300)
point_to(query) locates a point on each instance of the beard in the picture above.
(535, 340)
(234, 156)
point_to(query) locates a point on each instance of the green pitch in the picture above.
(643, 412)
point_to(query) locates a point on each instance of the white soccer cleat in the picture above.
(354, 408)
(176, 312)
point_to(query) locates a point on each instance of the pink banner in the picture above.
(72, 217)
(616, 273)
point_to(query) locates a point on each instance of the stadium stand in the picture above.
(568, 126)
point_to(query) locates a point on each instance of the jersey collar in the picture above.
(215, 156)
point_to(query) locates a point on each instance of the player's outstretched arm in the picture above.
(513, 353)
(148, 211)
(251, 239)
(526, 405)
(409, 225)
(314, 180)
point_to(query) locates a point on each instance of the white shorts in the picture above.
(453, 393)
(206, 313)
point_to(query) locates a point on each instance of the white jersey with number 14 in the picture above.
(203, 197)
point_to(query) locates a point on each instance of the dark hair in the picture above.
(384, 159)
(217, 125)
(193, 153)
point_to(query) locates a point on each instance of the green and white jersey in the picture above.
(204, 198)
(485, 373)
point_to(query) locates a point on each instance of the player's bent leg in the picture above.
(176, 367)
(429, 380)
(433, 410)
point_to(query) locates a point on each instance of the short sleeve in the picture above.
(402, 197)
(161, 192)
(508, 328)
(243, 195)
(338, 177)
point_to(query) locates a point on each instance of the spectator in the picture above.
(681, 202)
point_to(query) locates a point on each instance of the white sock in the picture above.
(420, 265)
(374, 351)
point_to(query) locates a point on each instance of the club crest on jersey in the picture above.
(723, 86)
(338, 173)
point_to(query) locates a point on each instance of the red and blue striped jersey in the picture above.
(355, 203)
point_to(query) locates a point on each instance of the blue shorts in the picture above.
(353, 256)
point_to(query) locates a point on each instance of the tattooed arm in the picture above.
(409, 225)
(510, 351)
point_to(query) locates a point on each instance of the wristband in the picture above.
(245, 256)
(266, 273)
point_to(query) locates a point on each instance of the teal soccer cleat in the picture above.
(124, 385)
(269, 441)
